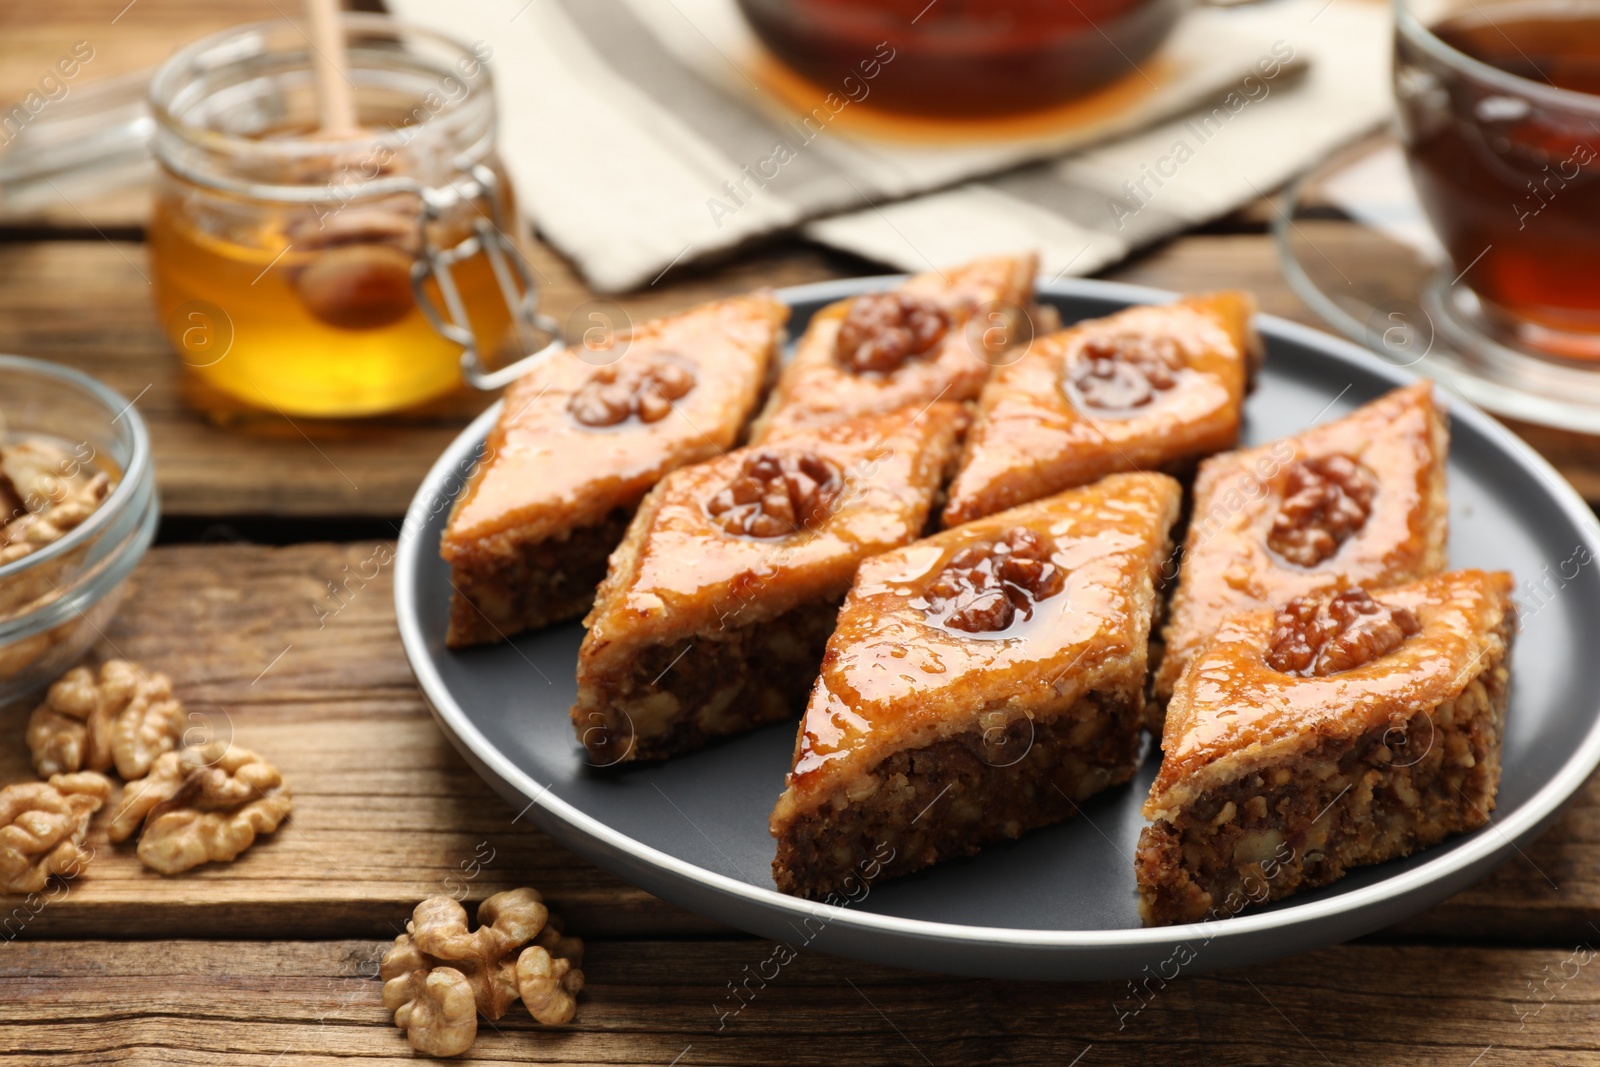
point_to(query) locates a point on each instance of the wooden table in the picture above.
(271, 960)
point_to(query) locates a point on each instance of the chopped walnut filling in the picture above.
(1326, 500)
(1125, 371)
(46, 492)
(1319, 636)
(984, 587)
(777, 493)
(439, 976)
(125, 718)
(883, 330)
(42, 827)
(201, 804)
(644, 387)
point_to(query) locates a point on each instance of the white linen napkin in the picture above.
(644, 133)
(1092, 208)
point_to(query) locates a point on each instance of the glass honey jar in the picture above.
(333, 274)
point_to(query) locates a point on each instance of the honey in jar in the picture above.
(283, 258)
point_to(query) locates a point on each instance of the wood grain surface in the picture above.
(265, 655)
(269, 961)
(667, 1002)
(85, 304)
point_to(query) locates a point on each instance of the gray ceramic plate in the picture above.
(1060, 903)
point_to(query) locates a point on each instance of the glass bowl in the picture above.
(56, 601)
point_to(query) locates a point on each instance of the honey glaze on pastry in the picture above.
(936, 337)
(714, 612)
(1356, 501)
(1343, 729)
(979, 683)
(580, 440)
(1149, 388)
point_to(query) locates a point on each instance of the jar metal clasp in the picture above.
(512, 275)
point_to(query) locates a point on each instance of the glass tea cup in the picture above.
(1499, 104)
(333, 275)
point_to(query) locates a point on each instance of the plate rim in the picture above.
(1480, 849)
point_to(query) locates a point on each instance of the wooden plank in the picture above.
(293, 1003)
(87, 305)
(95, 41)
(386, 813)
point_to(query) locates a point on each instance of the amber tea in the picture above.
(1509, 171)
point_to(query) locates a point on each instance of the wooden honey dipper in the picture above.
(360, 278)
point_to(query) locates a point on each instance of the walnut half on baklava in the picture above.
(935, 337)
(1356, 501)
(1345, 729)
(581, 438)
(1149, 388)
(981, 683)
(714, 614)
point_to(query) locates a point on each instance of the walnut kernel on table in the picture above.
(42, 828)
(201, 804)
(125, 718)
(509, 923)
(516, 953)
(435, 1008)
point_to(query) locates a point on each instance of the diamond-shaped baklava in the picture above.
(581, 438)
(933, 338)
(1345, 729)
(1360, 500)
(1149, 388)
(713, 616)
(981, 683)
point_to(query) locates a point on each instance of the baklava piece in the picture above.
(581, 438)
(1345, 729)
(1150, 388)
(936, 337)
(1358, 501)
(714, 614)
(981, 683)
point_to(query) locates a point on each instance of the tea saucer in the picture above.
(1355, 245)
